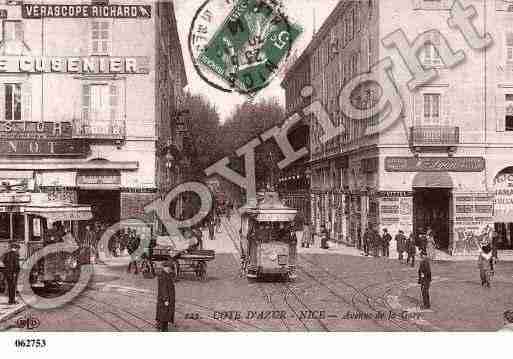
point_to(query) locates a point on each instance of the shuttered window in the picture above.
(13, 103)
(431, 109)
(100, 103)
(509, 47)
(430, 56)
(100, 37)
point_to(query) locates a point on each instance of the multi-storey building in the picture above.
(444, 163)
(294, 180)
(90, 105)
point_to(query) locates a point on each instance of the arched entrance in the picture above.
(431, 205)
(503, 208)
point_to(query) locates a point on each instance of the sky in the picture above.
(308, 13)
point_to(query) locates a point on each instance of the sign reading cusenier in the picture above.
(37, 11)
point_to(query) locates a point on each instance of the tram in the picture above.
(268, 241)
(34, 222)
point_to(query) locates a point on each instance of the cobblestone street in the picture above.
(333, 292)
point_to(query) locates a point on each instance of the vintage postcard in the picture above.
(255, 166)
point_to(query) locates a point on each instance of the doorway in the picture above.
(105, 204)
(431, 208)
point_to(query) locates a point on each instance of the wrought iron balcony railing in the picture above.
(99, 130)
(434, 136)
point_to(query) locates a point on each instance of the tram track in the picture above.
(369, 299)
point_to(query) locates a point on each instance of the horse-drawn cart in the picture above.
(186, 257)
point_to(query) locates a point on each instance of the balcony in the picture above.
(99, 130)
(428, 138)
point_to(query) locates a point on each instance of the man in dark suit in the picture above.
(410, 250)
(165, 298)
(385, 241)
(12, 268)
(425, 279)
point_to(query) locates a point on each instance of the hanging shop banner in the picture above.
(49, 148)
(33, 130)
(434, 164)
(37, 11)
(99, 178)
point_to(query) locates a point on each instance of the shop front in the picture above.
(503, 209)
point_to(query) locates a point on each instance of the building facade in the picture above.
(294, 180)
(90, 107)
(443, 163)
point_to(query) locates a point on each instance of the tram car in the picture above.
(35, 223)
(268, 240)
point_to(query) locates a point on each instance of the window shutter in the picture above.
(18, 31)
(509, 46)
(26, 100)
(114, 100)
(418, 109)
(85, 103)
(2, 102)
(446, 109)
(435, 39)
(501, 112)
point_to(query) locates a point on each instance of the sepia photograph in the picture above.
(255, 166)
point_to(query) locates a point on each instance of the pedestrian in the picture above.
(410, 250)
(305, 240)
(430, 245)
(495, 246)
(89, 242)
(12, 269)
(485, 265)
(165, 313)
(508, 321)
(425, 279)
(385, 241)
(133, 245)
(68, 238)
(324, 237)
(366, 241)
(211, 230)
(376, 241)
(400, 241)
(421, 240)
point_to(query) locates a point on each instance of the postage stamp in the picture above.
(249, 46)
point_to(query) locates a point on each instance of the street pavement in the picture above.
(336, 290)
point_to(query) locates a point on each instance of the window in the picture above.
(509, 112)
(12, 31)
(430, 56)
(509, 47)
(100, 37)
(431, 109)
(99, 103)
(13, 102)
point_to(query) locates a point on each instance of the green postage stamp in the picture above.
(247, 49)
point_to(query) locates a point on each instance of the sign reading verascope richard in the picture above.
(37, 11)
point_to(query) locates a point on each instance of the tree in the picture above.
(247, 122)
(203, 128)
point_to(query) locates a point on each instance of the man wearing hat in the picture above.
(165, 298)
(12, 268)
(424, 278)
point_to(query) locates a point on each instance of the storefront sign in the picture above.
(10, 148)
(74, 65)
(37, 11)
(388, 194)
(434, 164)
(99, 178)
(33, 130)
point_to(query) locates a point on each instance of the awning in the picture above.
(8, 174)
(503, 216)
(432, 180)
(60, 212)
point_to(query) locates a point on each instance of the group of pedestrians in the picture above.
(375, 244)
